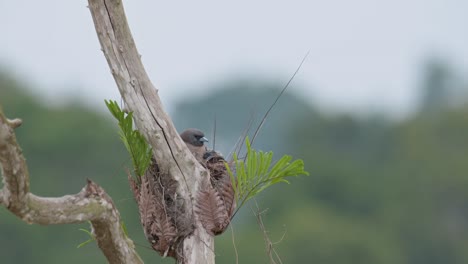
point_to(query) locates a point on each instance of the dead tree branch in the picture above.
(140, 97)
(90, 204)
(270, 249)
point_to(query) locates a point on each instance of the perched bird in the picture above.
(195, 139)
(215, 206)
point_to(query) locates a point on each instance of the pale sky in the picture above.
(365, 55)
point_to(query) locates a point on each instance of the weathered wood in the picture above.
(140, 97)
(90, 204)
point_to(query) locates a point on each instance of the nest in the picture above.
(215, 206)
(162, 212)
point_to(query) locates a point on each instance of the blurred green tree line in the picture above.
(380, 191)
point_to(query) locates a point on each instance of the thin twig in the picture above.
(234, 244)
(278, 97)
(240, 141)
(214, 133)
(245, 134)
(271, 251)
(281, 239)
(143, 246)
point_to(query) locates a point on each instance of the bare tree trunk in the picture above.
(140, 97)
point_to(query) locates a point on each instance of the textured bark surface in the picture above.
(140, 97)
(90, 204)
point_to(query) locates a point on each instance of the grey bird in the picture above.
(195, 139)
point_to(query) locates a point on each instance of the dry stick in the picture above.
(234, 244)
(238, 144)
(214, 133)
(278, 97)
(277, 242)
(269, 245)
(240, 141)
(143, 246)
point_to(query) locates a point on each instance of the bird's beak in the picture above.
(203, 139)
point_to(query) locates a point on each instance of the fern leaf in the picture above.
(212, 212)
(256, 173)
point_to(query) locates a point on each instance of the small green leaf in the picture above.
(87, 241)
(87, 232)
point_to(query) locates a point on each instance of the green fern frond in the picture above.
(256, 173)
(140, 151)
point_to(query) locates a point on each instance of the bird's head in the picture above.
(193, 137)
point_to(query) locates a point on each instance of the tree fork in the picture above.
(90, 204)
(140, 97)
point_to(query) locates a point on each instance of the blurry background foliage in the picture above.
(381, 191)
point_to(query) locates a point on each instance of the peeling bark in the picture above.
(90, 204)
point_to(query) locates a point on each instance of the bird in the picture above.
(222, 192)
(195, 139)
